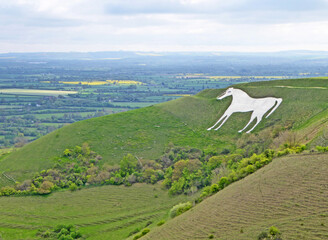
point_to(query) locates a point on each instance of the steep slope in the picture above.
(290, 193)
(145, 132)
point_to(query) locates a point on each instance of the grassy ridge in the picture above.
(108, 212)
(290, 193)
(145, 132)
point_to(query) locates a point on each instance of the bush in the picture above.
(7, 191)
(46, 187)
(273, 234)
(223, 182)
(160, 223)
(67, 232)
(177, 186)
(73, 187)
(128, 164)
(143, 233)
(322, 149)
(179, 209)
(214, 188)
(262, 236)
(273, 231)
(134, 232)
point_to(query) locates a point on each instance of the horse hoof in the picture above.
(209, 129)
(240, 131)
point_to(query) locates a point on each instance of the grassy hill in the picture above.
(145, 132)
(108, 212)
(290, 193)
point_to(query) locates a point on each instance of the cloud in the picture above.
(162, 24)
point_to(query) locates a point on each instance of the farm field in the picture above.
(290, 193)
(107, 212)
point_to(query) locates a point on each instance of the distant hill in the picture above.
(145, 132)
(290, 194)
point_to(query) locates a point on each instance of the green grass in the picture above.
(107, 212)
(145, 132)
(132, 104)
(290, 193)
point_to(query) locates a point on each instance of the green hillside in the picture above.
(290, 193)
(108, 212)
(145, 132)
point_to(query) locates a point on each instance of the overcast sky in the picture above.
(163, 25)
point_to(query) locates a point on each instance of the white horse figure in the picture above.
(241, 102)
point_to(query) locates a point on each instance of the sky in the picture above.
(163, 25)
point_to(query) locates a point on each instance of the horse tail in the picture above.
(278, 101)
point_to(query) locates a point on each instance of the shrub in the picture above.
(223, 182)
(45, 187)
(250, 169)
(6, 191)
(160, 223)
(214, 188)
(134, 232)
(273, 231)
(206, 192)
(283, 153)
(322, 149)
(128, 164)
(179, 209)
(262, 236)
(143, 233)
(66, 232)
(273, 234)
(73, 187)
(177, 186)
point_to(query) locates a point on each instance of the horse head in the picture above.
(227, 93)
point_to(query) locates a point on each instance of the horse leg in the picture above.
(251, 120)
(221, 118)
(223, 122)
(259, 119)
(277, 102)
(225, 114)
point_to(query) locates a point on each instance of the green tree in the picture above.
(223, 182)
(128, 164)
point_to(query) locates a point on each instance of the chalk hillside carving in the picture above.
(242, 102)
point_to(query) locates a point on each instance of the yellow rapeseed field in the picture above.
(202, 76)
(94, 83)
(177, 95)
(128, 82)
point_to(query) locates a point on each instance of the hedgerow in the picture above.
(181, 170)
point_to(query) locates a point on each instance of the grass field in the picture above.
(17, 91)
(107, 212)
(290, 193)
(145, 132)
